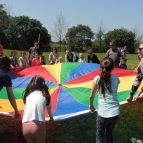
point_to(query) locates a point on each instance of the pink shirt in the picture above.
(35, 62)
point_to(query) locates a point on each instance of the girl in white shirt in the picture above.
(108, 106)
(23, 61)
(36, 97)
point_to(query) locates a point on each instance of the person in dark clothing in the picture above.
(70, 56)
(138, 78)
(92, 57)
(5, 81)
(136, 85)
(32, 52)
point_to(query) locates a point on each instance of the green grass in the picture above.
(82, 129)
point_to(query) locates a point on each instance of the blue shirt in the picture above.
(5, 80)
(108, 106)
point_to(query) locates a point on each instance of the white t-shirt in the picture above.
(53, 58)
(108, 106)
(23, 62)
(34, 108)
(81, 60)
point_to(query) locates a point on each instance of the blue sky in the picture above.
(113, 13)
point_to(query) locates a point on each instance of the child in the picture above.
(108, 106)
(23, 62)
(36, 61)
(37, 98)
(123, 63)
(5, 81)
(81, 58)
(60, 60)
(13, 59)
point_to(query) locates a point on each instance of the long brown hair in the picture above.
(37, 83)
(106, 65)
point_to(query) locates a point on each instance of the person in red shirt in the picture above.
(1, 50)
(36, 61)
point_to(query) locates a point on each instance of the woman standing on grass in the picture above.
(5, 81)
(108, 106)
(36, 97)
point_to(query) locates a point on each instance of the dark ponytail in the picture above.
(106, 65)
(37, 83)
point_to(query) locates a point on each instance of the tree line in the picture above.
(20, 32)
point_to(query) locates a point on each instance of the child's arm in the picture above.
(92, 95)
(21, 61)
(49, 109)
(12, 101)
(11, 63)
(40, 58)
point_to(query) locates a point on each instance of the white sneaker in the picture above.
(134, 140)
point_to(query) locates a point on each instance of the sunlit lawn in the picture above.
(82, 129)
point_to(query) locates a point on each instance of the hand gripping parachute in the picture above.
(69, 85)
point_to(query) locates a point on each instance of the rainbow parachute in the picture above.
(69, 85)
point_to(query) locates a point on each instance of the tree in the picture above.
(4, 40)
(5, 18)
(99, 37)
(79, 36)
(122, 37)
(60, 29)
(138, 37)
(23, 31)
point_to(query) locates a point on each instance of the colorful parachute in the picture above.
(69, 85)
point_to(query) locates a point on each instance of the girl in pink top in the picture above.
(36, 61)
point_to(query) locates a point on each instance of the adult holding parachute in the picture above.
(138, 79)
(5, 81)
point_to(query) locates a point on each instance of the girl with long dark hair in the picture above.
(36, 97)
(108, 106)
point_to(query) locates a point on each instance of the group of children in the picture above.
(22, 62)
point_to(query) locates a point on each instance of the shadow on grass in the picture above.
(80, 129)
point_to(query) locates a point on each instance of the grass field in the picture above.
(82, 129)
